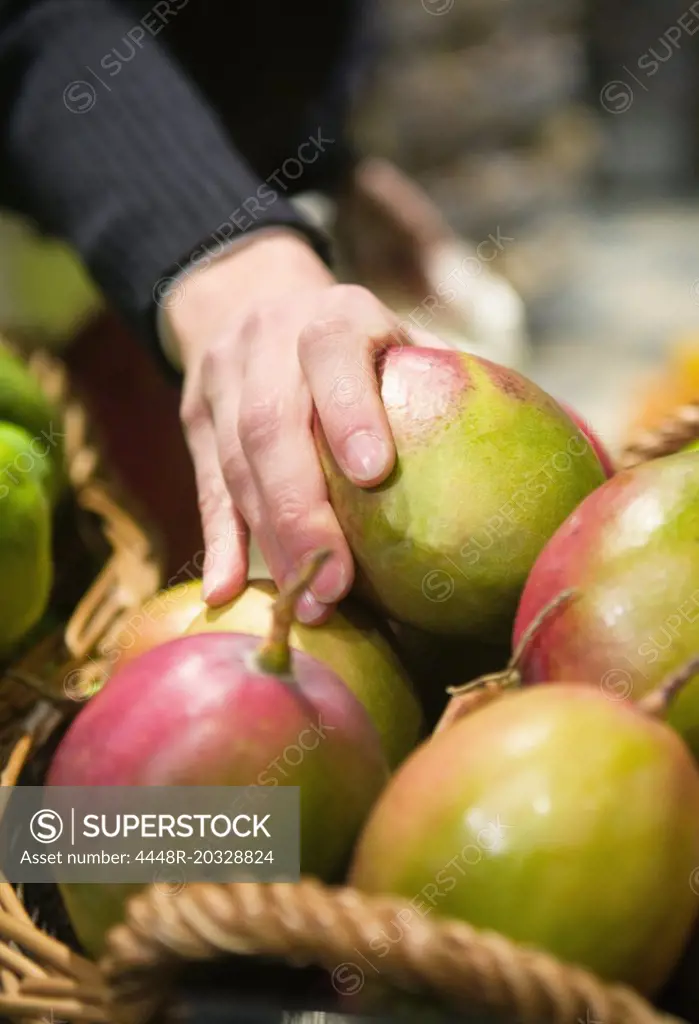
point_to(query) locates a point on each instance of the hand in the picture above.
(264, 335)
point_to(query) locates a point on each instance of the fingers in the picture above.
(255, 457)
(338, 352)
(257, 440)
(240, 483)
(275, 434)
(225, 533)
(223, 375)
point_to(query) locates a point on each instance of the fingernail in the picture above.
(308, 610)
(366, 456)
(212, 584)
(208, 590)
(329, 585)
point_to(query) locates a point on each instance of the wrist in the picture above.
(205, 296)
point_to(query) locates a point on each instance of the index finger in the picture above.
(338, 352)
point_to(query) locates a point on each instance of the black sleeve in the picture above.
(135, 172)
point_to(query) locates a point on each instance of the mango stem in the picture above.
(504, 680)
(658, 702)
(535, 625)
(489, 689)
(274, 655)
(510, 677)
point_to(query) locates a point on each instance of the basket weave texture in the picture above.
(105, 567)
(304, 924)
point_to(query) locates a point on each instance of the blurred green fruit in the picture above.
(23, 402)
(47, 292)
(23, 455)
(25, 555)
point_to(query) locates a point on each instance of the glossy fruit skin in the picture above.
(600, 450)
(557, 817)
(161, 618)
(488, 466)
(194, 712)
(631, 553)
(351, 645)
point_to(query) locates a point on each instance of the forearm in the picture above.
(131, 167)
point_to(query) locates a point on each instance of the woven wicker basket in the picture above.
(105, 567)
(94, 531)
(305, 924)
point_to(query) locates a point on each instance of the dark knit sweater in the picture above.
(137, 131)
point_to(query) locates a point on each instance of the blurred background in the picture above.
(572, 127)
(561, 134)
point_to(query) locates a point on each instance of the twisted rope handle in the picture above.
(356, 938)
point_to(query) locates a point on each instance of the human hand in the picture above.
(264, 335)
